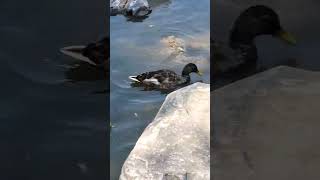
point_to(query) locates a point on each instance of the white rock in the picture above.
(267, 127)
(176, 145)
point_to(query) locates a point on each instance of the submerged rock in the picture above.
(179, 50)
(176, 145)
(175, 45)
(266, 126)
(132, 8)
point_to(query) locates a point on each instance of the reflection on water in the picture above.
(83, 71)
(137, 47)
(49, 129)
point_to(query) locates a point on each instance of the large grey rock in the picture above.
(176, 145)
(267, 127)
(135, 8)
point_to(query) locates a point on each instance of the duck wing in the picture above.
(225, 58)
(97, 52)
(157, 77)
(230, 65)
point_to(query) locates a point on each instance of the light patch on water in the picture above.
(173, 44)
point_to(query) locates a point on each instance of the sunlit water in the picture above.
(136, 48)
(49, 129)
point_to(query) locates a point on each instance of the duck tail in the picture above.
(134, 78)
(76, 53)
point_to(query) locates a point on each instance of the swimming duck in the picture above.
(240, 55)
(165, 79)
(96, 54)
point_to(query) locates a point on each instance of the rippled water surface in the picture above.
(138, 47)
(49, 129)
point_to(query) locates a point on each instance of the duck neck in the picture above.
(240, 36)
(243, 44)
(186, 75)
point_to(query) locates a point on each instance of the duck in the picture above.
(165, 79)
(238, 57)
(96, 54)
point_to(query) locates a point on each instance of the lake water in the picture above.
(137, 47)
(50, 129)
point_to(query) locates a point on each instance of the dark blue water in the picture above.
(50, 129)
(137, 47)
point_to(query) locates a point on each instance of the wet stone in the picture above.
(176, 145)
(132, 8)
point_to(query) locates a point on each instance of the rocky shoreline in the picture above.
(257, 120)
(130, 8)
(176, 145)
(265, 126)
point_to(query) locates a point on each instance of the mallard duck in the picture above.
(239, 56)
(96, 54)
(165, 79)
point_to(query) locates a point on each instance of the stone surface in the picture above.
(176, 145)
(267, 127)
(135, 8)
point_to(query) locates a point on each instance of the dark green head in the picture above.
(190, 68)
(255, 21)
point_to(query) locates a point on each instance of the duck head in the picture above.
(255, 21)
(190, 68)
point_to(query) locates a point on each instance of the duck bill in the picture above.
(199, 73)
(287, 37)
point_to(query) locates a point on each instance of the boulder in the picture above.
(132, 8)
(266, 127)
(176, 145)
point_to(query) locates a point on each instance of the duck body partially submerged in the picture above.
(164, 79)
(95, 54)
(92, 62)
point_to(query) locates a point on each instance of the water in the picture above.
(49, 129)
(135, 48)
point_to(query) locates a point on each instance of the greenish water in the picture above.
(135, 48)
